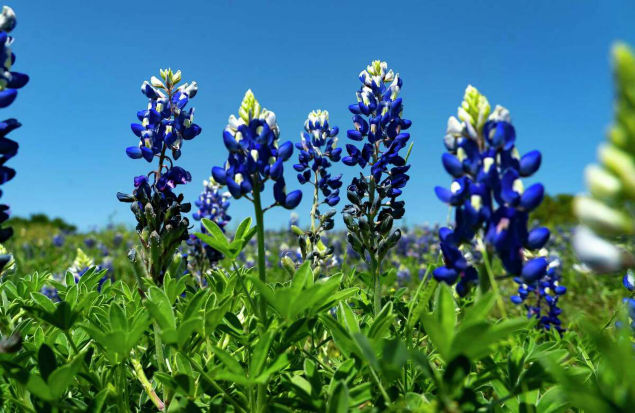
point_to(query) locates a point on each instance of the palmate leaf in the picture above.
(474, 335)
(216, 237)
(303, 295)
(53, 380)
(214, 230)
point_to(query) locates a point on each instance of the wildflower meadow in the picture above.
(520, 301)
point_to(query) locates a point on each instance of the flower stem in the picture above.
(158, 344)
(315, 202)
(147, 386)
(492, 281)
(262, 274)
(261, 396)
(374, 269)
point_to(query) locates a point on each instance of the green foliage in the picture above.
(318, 346)
(555, 211)
(42, 220)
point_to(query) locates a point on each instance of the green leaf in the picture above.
(341, 337)
(215, 231)
(381, 324)
(118, 320)
(186, 328)
(229, 361)
(366, 350)
(338, 400)
(281, 362)
(38, 387)
(241, 231)
(46, 361)
(260, 352)
(439, 325)
(160, 308)
(445, 308)
(303, 277)
(475, 340)
(480, 309)
(60, 379)
(223, 247)
(43, 301)
(348, 319)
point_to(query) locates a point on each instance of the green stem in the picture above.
(147, 386)
(261, 397)
(493, 283)
(260, 225)
(70, 340)
(374, 269)
(158, 344)
(381, 387)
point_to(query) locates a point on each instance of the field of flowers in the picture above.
(199, 310)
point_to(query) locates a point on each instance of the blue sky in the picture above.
(546, 61)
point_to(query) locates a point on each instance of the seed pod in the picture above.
(288, 265)
(349, 221)
(124, 197)
(328, 214)
(355, 242)
(392, 240)
(303, 244)
(328, 225)
(352, 196)
(386, 225)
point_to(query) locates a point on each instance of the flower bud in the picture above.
(621, 164)
(601, 183)
(601, 217)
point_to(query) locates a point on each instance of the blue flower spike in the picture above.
(162, 129)
(10, 82)
(491, 204)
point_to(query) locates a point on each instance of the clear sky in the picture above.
(546, 61)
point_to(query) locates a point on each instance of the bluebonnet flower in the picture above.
(50, 292)
(90, 242)
(629, 283)
(255, 157)
(294, 220)
(10, 81)
(378, 121)
(541, 295)
(165, 124)
(403, 275)
(80, 266)
(117, 240)
(58, 240)
(212, 204)
(254, 154)
(490, 202)
(317, 153)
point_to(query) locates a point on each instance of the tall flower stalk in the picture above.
(165, 124)
(317, 152)
(490, 202)
(9, 83)
(377, 117)
(608, 210)
(255, 157)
